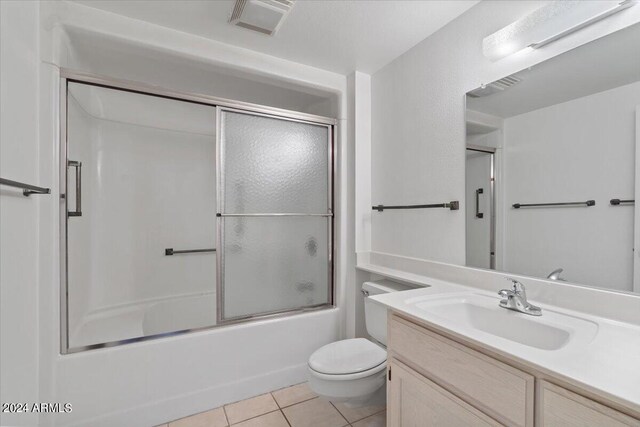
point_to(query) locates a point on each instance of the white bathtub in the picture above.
(146, 319)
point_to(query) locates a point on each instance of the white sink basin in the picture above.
(551, 331)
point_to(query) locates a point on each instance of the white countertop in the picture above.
(607, 363)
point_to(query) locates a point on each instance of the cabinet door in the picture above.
(562, 408)
(499, 390)
(415, 401)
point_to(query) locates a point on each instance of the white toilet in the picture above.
(353, 371)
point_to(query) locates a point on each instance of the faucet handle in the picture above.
(505, 293)
(518, 287)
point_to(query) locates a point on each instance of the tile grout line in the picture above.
(224, 411)
(275, 400)
(285, 418)
(297, 403)
(257, 416)
(345, 418)
(293, 404)
(368, 416)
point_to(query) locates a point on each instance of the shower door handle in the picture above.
(78, 166)
(479, 214)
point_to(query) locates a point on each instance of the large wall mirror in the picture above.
(551, 167)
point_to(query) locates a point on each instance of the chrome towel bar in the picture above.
(171, 251)
(27, 189)
(525, 205)
(454, 205)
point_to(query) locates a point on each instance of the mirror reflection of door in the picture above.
(480, 244)
(636, 250)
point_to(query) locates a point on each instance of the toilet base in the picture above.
(363, 391)
(375, 399)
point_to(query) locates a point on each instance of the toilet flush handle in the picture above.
(364, 292)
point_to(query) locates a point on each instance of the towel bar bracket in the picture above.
(27, 189)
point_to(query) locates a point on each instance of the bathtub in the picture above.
(146, 319)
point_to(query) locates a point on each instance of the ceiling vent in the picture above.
(495, 87)
(263, 16)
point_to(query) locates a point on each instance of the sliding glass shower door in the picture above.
(275, 219)
(180, 215)
(140, 215)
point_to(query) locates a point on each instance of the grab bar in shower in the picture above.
(27, 189)
(171, 251)
(618, 202)
(454, 205)
(525, 205)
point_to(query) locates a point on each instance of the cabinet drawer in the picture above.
(414, 401)
(499, 390)
(560, 407)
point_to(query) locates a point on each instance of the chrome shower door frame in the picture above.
(71, 76)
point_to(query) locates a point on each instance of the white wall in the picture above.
(418, 126)
(19, 52)
(359, 85)
(117, 58)
(578, 150)
(154, 189)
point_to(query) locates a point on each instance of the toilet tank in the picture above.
(375, 315)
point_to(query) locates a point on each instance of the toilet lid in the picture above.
(347, 357)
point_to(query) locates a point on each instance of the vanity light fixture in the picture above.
(547, 24)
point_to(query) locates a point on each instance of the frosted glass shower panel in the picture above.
(273, 165)
(274, 264)
(275, 217)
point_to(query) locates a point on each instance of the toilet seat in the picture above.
(348, 359)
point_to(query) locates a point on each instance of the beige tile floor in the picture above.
(295, 406)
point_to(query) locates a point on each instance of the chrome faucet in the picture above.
(516, 299)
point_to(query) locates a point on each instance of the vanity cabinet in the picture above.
(416, 401)
(563, 408)
(436, 381)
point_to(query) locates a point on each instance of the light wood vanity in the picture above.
(436, 379)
